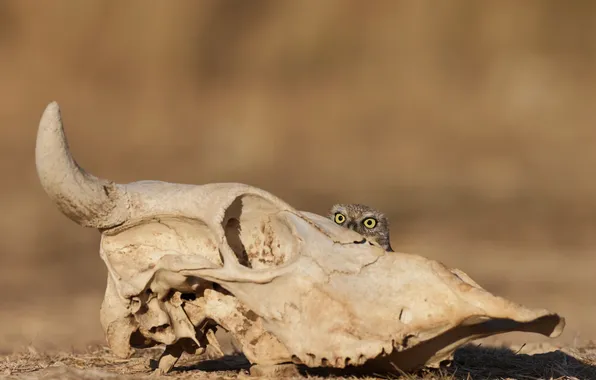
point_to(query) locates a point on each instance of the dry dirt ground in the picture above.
(472, 361)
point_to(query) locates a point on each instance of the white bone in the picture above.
(293, 286)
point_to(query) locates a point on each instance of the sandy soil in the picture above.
(472, 361)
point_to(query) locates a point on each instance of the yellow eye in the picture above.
(340, 218)
(370, 222)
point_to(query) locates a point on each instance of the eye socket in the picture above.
(340, 218)
(369, 222)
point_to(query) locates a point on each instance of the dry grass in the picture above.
(470, 362)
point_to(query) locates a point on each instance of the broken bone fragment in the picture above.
(290, 286)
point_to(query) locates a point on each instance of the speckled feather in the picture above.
(355, 215)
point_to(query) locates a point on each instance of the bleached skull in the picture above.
(290, 286)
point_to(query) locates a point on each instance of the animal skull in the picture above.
(290, 286)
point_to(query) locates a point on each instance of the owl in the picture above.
(365, 220)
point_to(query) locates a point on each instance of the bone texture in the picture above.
(290, 286)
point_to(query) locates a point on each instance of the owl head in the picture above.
(365, 220)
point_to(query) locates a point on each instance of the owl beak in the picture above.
(351, 225)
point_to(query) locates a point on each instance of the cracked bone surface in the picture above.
(290, 286)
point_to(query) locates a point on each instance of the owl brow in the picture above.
(335, 211)
(369, 216)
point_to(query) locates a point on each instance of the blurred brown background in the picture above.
(470, 123)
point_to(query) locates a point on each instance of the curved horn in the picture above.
(87, 200)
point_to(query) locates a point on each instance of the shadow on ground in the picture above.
(469, 362)
(489, 362)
